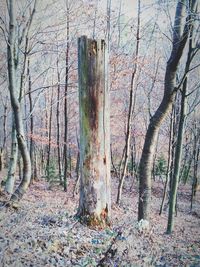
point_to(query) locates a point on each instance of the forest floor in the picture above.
(43, 231)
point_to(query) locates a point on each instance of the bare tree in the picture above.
(15, 89)
(181, 32)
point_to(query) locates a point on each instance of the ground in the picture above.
(43, 231)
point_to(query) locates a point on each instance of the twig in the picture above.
(109, 250)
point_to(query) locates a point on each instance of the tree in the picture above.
(181, 32)
(65, 149)
(94, 203)
(15, 89)
(180, 135)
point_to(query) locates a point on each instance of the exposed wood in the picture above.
(94, 204)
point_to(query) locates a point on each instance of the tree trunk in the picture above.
(5, 116)
(58, 126)
(31, 121)
(10, 182)
(49, 137)
(146, 161)
(3, 150)
(177, 162)
(1, 159)
(66, 106)
(196, 152)
(95, 198)
(168, 163)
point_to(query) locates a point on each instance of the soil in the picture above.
(44, 231)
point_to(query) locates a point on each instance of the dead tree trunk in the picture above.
(94, 203)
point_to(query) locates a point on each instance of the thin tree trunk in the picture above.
(77, 174)
(112, 162)
(49, 139)
(70, 162)
(58, 126)
(196, 151)
(65, 149)
(177, 162)
(10, 181)
(36, 167)
(5, 123)
(3, 149)
(168, 164)
(1, 159)
(31, 121)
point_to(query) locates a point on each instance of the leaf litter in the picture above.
(44, 231)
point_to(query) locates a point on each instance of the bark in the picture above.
(94, 203)
(3, 148)
(5, 123)
(10, 182)
(1, 159)
(168, 164)
(179, 41)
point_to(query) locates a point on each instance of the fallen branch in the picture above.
(109, 251)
